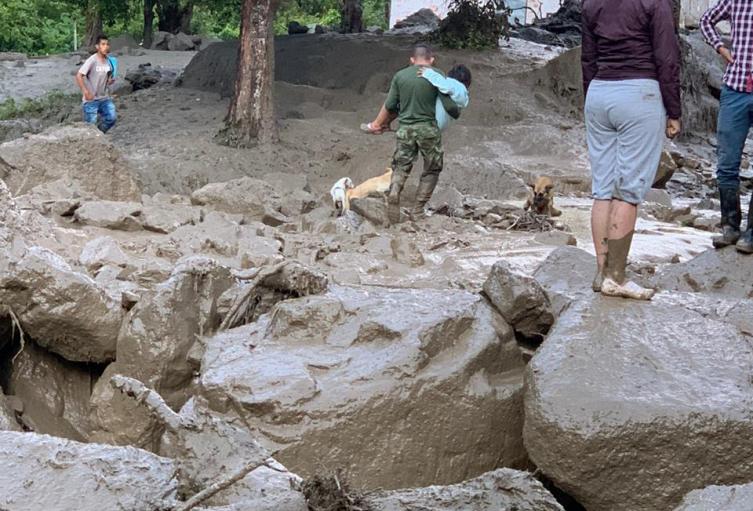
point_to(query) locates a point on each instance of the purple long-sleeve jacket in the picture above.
(630, 39)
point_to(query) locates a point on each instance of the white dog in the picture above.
(340, 195)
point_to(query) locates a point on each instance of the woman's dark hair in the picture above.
(461, 74)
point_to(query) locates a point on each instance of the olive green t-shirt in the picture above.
(413, 97)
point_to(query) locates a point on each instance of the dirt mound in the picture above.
(329, 61)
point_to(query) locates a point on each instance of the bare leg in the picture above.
(600, 233)
(621, 228)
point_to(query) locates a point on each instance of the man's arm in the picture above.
(713, 15)
(393, 98)
(588, 55)
(450, 106)
(88, 96)
(453, 88)
(667, 59)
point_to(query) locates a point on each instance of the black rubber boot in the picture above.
(423, 195)
(745, 243)
(393, 196)
(731, 217)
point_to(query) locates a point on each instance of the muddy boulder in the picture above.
(406, 379)
(63, 310)
(493, 491)
(252, 198)
(79, 154)
(719, 498)
(7, 415)
(520, 299)
(53, 393)
(720, 272)
(566, 275)
(43, 472)
(665, 171)
(160, 331)
(631, 405)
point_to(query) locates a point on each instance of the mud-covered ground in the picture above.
(222, 280)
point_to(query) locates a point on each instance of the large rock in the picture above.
(631, 405)
(120, 216)
(725, 273)
(54, 393)
(566, 275)
(161, 40)
(250, 197)
(181, 42)
(417, 381)
(520, 299)
(8, 420)
(494, 491)
(719, 498)
(101, 252)
(665, 171)
(160, 331)
(46, 473)
(222, 239)
(143, 77)
(423, 20)
(79, 154)
(64, 311)
(119, 420)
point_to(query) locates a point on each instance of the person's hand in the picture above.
(88, 96)
(421, 71)
(674, 126)
(724, 52)
(110, 81)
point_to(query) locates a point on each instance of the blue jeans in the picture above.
(735, 119)
(103, 108)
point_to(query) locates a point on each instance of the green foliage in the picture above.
(36, 26)
(470, 24)
(39, 27)
(52, 102)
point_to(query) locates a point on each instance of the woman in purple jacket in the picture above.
(631, 77)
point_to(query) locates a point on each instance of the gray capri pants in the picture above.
(625, 127)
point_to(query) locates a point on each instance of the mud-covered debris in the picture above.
(333, 493)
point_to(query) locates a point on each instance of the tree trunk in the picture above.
(148, 23)
(387, 12)
(251, 117)
(93, 24)
(174, 17)
(351, 21)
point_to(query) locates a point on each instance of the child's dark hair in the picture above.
(101, 37)
(461, 74)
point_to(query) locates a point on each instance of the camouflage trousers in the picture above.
(424, 139)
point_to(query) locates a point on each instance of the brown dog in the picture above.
(542, 200)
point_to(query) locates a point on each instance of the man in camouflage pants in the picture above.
(414, 100)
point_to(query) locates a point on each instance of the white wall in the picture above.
(401, 9)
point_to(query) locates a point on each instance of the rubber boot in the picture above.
(393, 197)
(615, 283)
(745, 243)
(423, 195)
(731, 217)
